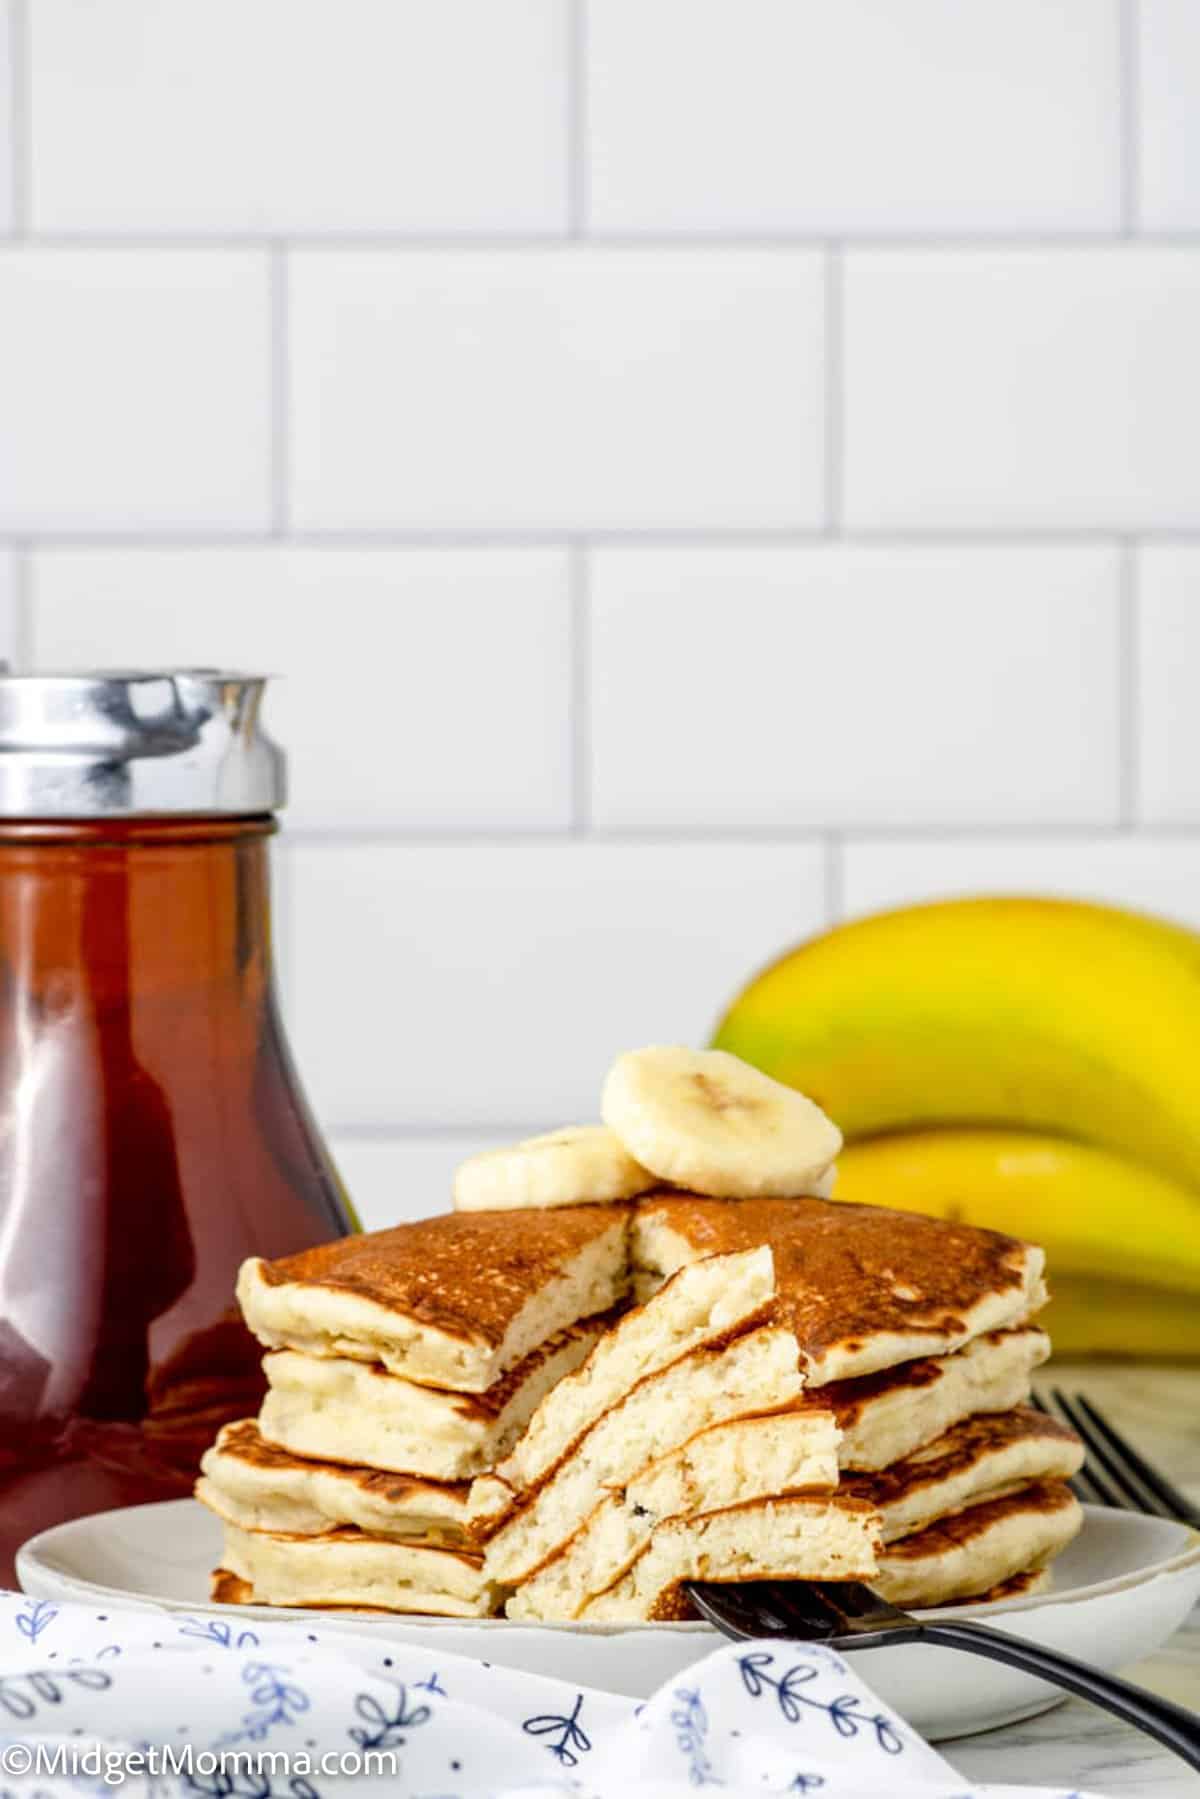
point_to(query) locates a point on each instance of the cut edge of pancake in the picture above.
(742, 1459)
(754, 1373)
(705, 1302)
(786, 1538)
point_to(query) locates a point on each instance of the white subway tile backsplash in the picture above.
(421, 690)
(1168, 113)
(1043, 389)
(1148, 874)
(826, 686)
(8, 123)
(645, 438)
(557, 390)
(391, 1180)
(481, 985)
(299, 115)
(134, 388)
(1168, 669)
(10, 620)
(853, 115)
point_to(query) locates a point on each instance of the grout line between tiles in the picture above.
(681, 242)
(580, 720)
(1130, 115)
(1129, 696)
(985, 538)
(19, 117)
(279, 398)
(835, 388)
(814, 837)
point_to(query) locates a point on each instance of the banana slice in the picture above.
(706, 1121)
(823, 1184)
(578, 1166)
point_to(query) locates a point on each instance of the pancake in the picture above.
(861, 1288)
(979, 1548)
(350, 1568)
(706, 1302)
(886, 1416)
(755, 1373)
(984, 1457)
(798, 1538)
(252, 1483)
(230, 1589)
(725, 1465)
(1020, 1586)
(455, 1301)
(332, 1409)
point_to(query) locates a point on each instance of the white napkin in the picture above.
(283, 1709)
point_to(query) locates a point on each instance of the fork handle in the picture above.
(1171, 1724)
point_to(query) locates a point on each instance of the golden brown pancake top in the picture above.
(1043, 1496)
(847, 1273)
(959, 1450)
(465, 1273)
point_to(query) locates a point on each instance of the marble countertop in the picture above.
(1074, 1745)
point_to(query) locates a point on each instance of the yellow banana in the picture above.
(1096, 1214)
(1089, 1317)
(1046, 1015)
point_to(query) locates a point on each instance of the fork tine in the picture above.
(1088, 1485)
(1154, 1482)
(1098, 1452)
(763, 1609)
(1080, 1484)
(730, 1608)
(1086, 1490)
(799, 1607)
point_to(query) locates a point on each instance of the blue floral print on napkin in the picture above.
(748, 1719)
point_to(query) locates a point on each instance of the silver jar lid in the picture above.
(130, 742)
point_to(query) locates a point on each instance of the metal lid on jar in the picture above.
(136, 742)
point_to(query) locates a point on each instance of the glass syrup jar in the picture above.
(153, 1131)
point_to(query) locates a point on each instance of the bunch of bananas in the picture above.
(1028, 1064)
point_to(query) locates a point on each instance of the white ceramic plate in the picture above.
(1123, 1587)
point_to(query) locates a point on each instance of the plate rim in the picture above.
(31, 1549)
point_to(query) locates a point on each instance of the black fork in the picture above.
(1114, 1472)
(847, 1616)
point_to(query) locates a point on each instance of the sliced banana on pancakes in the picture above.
(700, 1120)
(578, 1166)
(707, 1122)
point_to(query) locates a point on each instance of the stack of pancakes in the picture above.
(897, 1448)
(467, 1414)
(400, 1365)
